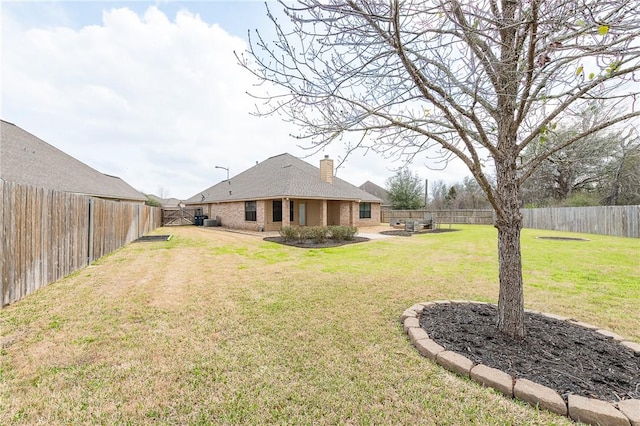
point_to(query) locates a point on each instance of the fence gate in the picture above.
(177, 217)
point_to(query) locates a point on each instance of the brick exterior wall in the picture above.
(375, 216)
(232, 215)
(318, 213)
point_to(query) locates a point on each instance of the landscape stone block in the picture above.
(408, 313)
(554, 316)
(494, 378)
(410, 322)
(416, 334)
(428, 348)
(585, 325)
(418, 308)
(455, 362)
(631, 409)
(536, 394)
(595, 412)
(586, 410)
(631, 345)
(611, 334)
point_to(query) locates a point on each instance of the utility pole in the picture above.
(426, 192)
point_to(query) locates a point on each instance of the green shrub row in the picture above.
(318, 234)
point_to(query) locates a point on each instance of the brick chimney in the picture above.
(326, 169)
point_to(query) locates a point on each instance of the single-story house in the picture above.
(27, 159)
(379, 192)
(286, 191)
(166, 203)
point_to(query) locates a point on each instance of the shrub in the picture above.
(351, 232)
(342, 232)
(290, 233)
(318, 234)
(581, 199)
(304, 234)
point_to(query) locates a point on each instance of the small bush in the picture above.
(304, 234)
(581, 199)
(318, 234)
(290, 233)
(352, 231)
(342, 232)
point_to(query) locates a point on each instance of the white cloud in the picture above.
(156, 100)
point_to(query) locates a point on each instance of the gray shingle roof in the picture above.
(26, 159)
(277, 177)
(376, 190)
(165, 202)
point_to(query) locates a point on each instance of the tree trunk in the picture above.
(511, 297)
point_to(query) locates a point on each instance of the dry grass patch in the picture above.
(214, 327)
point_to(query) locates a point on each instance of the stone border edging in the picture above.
(587, 410)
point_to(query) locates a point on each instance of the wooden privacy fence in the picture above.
(619, 221)
(46, 235)
(180, 216)
(477, 217)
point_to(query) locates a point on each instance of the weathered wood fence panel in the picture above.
(477, 217)
(46, 235)
(179, 216)
(619, 221)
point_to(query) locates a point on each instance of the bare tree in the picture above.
(478, 80)
(439, 193)
(461, 195)
(577, 168)
(597, 170)
(622, 179)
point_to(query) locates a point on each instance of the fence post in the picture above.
(90, 259)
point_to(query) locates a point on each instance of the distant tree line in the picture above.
(604, 169)
(464, 195)
(603, 172)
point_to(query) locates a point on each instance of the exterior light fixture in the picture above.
(224, 168)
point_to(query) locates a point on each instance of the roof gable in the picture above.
(278, 177)
(376, 190)
(27, 159)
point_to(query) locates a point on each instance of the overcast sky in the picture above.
(151, 92)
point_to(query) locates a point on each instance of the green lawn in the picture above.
(214, 327)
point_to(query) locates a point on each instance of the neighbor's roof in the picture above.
(26, 159)
(281, 176)
(376, 190)
(165, 202)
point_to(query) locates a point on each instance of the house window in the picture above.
(365, 210)
(291, 211)
(277, 210)
(250, 211)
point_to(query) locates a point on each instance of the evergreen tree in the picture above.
(406, 191)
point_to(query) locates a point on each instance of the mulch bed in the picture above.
(403, 233)
(312, 244)
(562, 238)
(565, 357)
(151, 238)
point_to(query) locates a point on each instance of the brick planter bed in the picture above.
(610, 396)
